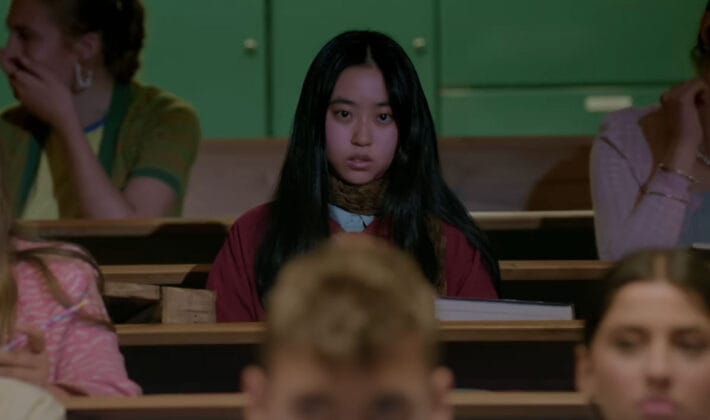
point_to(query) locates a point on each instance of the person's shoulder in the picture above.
(254, 217)
(624, 125)
(629, 116)
(457, 243)
(622, 134)
(70, 264)
(155, 98)
(249, 229)
(454, 235)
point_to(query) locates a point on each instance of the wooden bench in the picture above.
(136, 335)
(522, 270)
(468, 405)
(555, 281)
(486, 173)
(502, 355)
(513, 235)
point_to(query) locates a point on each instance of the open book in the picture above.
(457, 309)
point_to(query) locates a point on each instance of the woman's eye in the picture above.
(384, 117)
(692, 345)
(342, 114)
(626, 345)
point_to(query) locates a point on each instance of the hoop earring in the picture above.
(82, 79)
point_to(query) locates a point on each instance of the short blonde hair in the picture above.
(349, 301)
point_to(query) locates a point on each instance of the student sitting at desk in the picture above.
(86, 140)
(363, 158)
(54, 329)
(647, 349)
(650, 168)
(350, 334)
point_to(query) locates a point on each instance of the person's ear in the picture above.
(442, 382)
(88, 48)
(254, 384)
(584, 370)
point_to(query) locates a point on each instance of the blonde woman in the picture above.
(54, 329)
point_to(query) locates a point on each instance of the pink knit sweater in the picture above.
(84, 355)
(626, 219)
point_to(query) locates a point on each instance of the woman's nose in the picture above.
(658, 366)
(361, 134)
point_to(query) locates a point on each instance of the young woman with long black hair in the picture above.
(362, 158)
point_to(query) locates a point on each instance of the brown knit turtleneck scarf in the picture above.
(367, 199)
(363, 199)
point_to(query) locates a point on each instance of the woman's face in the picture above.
(650, 357)
(360, 131)
(34, 34)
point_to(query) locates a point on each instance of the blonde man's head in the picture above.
(348, 301)
(351, 334)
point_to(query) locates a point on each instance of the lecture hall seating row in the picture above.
(178, 287)
(537, 208)
(529, 194)
(468, 405)
(491, 355)
(520, 235)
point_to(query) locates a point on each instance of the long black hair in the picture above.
(701, 51)
(416, 191)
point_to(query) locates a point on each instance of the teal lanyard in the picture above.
(120, 101)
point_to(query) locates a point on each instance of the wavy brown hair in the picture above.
(685, 269)
(119, 22)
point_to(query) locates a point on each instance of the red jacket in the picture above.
(233, 277)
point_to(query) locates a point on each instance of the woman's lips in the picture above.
(359, 162)
(658, 407)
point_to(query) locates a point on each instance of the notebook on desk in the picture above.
(458, 309)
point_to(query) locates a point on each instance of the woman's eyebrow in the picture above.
(338, 100)
(345, 101)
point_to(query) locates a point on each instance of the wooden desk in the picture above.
(253, 332)
(468, 405)
(513, 235)
(511, 270)
(506, 355)
(556, 281)
(77, 228)
(520, 405)
(227, 406)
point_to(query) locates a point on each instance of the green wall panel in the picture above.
(542, 111)
(563, 42)
(196, 50)
(6, 97)
(300, 28)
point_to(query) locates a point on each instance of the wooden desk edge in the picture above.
(511, 270)
(466, 403)
(142, 227)
(156, 402)
(252, 333)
